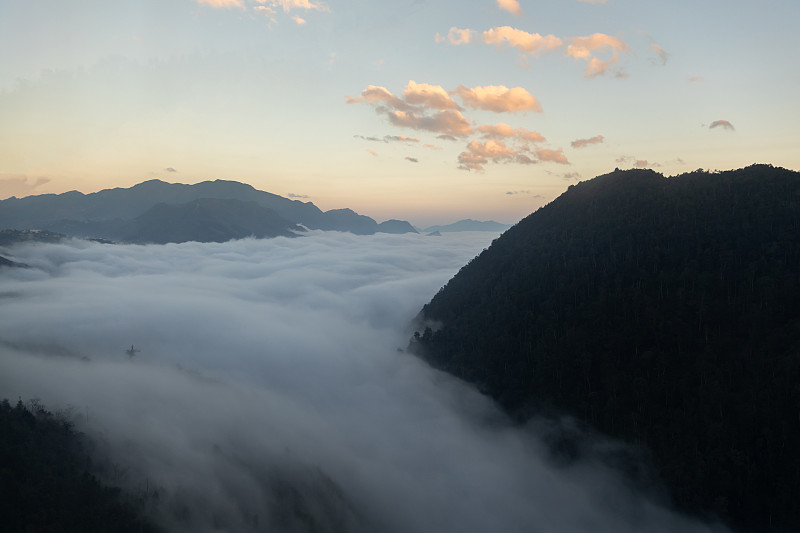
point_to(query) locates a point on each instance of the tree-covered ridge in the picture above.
(45, 483)
(663, 311)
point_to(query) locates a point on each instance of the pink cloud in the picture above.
(554, 156)
(512, 6)
(529, 43)
(586, 47)
(471, 161)
(499, 98)
(479, 154)
(490, 148)
(446, 121)
(432, 96)
(501, 130)
(375, 94)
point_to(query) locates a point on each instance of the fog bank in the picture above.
(269, 392)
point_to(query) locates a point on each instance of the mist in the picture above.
(270, 390)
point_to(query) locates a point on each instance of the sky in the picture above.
(427, 111)
(271, 367)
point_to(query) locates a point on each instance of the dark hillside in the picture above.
(665, 312)
(45, 483)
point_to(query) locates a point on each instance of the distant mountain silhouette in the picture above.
(469, 225)
(664, 312)
(396, 226)
(108, 213)
(207, 220)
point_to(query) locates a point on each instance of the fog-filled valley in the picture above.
(263, 385)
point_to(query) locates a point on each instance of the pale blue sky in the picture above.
(99, 94)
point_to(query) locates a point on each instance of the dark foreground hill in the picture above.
(108, 213)
(665, 312)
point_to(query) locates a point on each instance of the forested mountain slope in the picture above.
(663, 311)
(45, 479)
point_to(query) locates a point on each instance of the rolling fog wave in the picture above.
(270, 390)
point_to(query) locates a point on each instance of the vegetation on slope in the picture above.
(660, 311)
(45, 483)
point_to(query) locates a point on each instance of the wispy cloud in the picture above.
(661, 54)
(634, 162)
(221, 3)
(289, 5)
(373, 152)
(580, 143)
(270, 8)
(412, 159)
(389, 138)
(19, 185)
(266, 11)
(587, 48)
(293, 195)
(724, 124)
(170, 169)
(456, 36)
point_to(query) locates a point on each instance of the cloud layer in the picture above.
(269, 390)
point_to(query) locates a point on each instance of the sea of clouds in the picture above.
(270, 389)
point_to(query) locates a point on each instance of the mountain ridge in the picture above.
(468, 224)
(74, 213)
